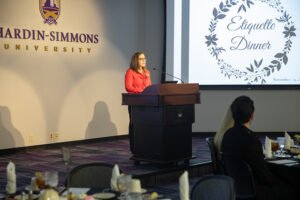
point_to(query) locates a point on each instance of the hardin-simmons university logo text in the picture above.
(50, 10)
(15, 38)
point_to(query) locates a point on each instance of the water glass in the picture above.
(122, 183)
(34, 186)
(51, 178)
(281, 141)
(297, 139)
(40, 180)
(134, 196)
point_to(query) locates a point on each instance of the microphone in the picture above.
(175, 77)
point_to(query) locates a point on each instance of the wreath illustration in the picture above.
(256, 72)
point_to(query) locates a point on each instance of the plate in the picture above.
(19, 197)
(104, 195)
(282, 156)
(28, 188)
(142, 191)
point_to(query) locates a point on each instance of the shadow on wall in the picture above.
(10, 136)
(100, 125)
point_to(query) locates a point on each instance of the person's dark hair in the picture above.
(242, 108)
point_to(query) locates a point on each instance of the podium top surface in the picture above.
(165, 94)
(171, 88)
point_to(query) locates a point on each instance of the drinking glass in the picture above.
(122, 183)
(297, 139)
(135, 196)
(40, 180)
(66, 155)
(51, 178)
(33, 185)
(280, 141)
(274, 146)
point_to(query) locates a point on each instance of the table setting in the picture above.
(44, 186)
(283, 159)
(283, 150)
(133, 192)
(41, 182)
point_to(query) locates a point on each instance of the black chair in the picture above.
(241, 172)
(215, 187)
(91, 175)
(217, 165)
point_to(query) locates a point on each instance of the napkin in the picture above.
(184, 186)
(114, 177)
(268, 147)
(287, 141)
(11, 178)
(135, 186)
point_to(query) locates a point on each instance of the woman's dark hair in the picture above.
(242, 108)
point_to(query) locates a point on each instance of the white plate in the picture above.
(143, 191)
(282, 156)
(104, 195)
(19, 197)
(28, 188)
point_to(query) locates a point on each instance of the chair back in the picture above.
(217, 165)
(241, 172)
(214, 187)
(91, 175)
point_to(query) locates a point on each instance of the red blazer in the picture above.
(136, 82)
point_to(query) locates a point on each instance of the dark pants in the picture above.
(130, 131)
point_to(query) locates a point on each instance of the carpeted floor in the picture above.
(115, 151)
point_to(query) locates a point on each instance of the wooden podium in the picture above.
(162, 117)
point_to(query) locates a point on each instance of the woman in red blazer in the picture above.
(137, 78)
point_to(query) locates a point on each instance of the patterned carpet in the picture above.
(115, 151)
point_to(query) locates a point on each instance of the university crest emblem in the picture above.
(50, 10)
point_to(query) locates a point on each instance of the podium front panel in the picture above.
(147, 115)
(163, 114)
(163, 133)
(163, 143)
(182, 114)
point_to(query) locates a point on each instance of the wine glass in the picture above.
(281, 149)
(67, 159)
(281, 145)
(122, 183)
(40, 180)
(51, 178)
(274, 146)
(297, 139)
(66, 155)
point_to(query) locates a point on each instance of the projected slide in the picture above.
(242, 42)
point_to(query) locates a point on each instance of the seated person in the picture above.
(242, 142)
